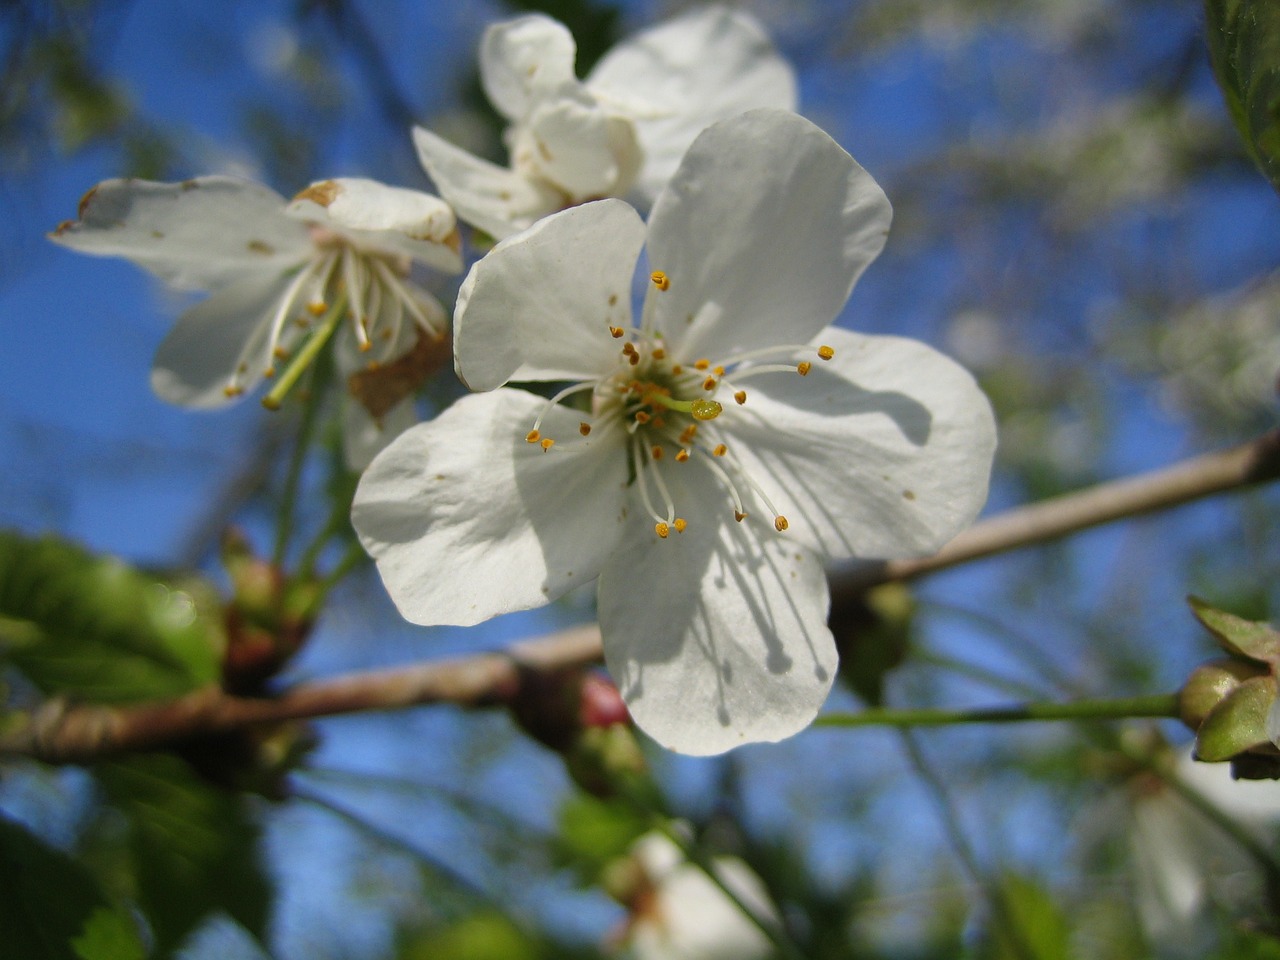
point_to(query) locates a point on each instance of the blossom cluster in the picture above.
(703, 457)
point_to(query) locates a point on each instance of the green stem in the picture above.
(777, 936)
(293, 479)
(303, 358)
(1156, 705)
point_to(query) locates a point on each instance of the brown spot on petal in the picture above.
(257, 246)
(381, 389)
(63, 227)
(86, 200)
(908, 494)
(322, 193)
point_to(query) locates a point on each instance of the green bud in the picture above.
(1210, 683)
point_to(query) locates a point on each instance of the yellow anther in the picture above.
(677, 369)
(280, 353)
(718, 371)
(533, 436)
(269, 372)
(803, 368)
(780, 523)
(232, 391)
(584, 428)
(658, 353)
(680, 524)
(365, 346)
(740, 397)
(628, 348)
(739, 516)
(656, 452)
(689, 432)
(616, 332)
(703, 364)
(682, 456)
(634, 359)
(660, 280)
(642, 417)
(720, 450)
(316, 308)
(547, 443)
(709, 383)
(705, 409)
(661, 529)
(825, 352)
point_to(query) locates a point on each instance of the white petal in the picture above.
(363, 437)
(768, 222)
(540, 304)
(684, 75)
(568, 141)
(197, 234)
(523, 60)
(467, 520)
(196, 361)
(495, 199)
(389, 219)
(884, 451)
(716, 636)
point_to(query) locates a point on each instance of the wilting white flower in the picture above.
(278, 272)
(621, 132)
(724, 447)
(679, 913)
(1183, 862)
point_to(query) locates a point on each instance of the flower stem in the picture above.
(293, 479)
(1156, 705)
(303, 358)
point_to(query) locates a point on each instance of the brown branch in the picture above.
(62, 733)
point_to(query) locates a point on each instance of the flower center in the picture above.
(670, 411)
(370, 289)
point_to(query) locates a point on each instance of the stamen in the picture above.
(682, 455)
(616, 332)
(739, 516)
(780, 523)
(584, 428)
(533, 436)
(803, 368)
(567, 391)
(825, 352)
(709, 383)
(658, 353)
(680, 524)
(740, 397)
(655, 452)
(720, 450)
(661, 529)
(637, 457)
(546, 443)
(355, 299)
(660, 280)
(688, 433)
(702, 364)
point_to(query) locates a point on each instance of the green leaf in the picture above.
(1238, 723)
(51, 909)
(478, 937)
(96, 629)
(594, 832)
(192, 847)
(1041, 929)
(1244, 47)
(1243, 638)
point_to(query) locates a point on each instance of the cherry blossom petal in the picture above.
(762, 232)
(716, 636)
(540, 305)
(197, 359)
(494, 199)
(389, 219)
(467, 520)
(882, 452)
(568, 142)
(523, 60)
(198, 234)
(684, 75)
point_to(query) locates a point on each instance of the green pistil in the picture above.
(303, 358)
(701, 409)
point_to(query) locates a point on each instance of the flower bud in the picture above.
(1210, 683)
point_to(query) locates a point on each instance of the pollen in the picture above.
(680, 524)
(660, 280)
(739, 515)
(546, 443)
(709, 383)
(780, 523)
(682, 455)
(533, 436)
(661, 529)
(703, 364)
(825, 352)
(616, 332)
(584, 428)
(720, 450)
(803, 368)
(740, 397)
(316, 308)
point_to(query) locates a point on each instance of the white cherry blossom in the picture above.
(279, 273)
(703, 463)
(621, 132)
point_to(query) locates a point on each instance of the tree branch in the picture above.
(59, 732)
